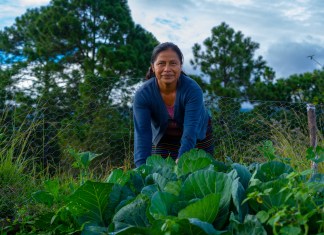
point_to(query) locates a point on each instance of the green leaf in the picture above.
(251, 226)
(167, 173)
(53, 187)
(220, 166)
(119, 196)
(150, 190)
(272, 170)
(173, 187)
(144, 170)
(267, 150)
(204, 209)
(160, 180)
(157, 162)
(238, 195)
(288, 230)
(89, 203)
(310, 153)
(184, 226)
(316, 155)
(86, 158)
(203, 182)
(206, 227)
(118, 176)
(135, 182)
(133, 230)
(263, 216)
(83, 159)
(243, 174)
(149, 179)
(276, 197)
(43, 197)
(192, 161)
(133, 214)
(161, 204)
(94, 230)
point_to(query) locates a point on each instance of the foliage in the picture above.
(286, 203)
(162, 197)
(62, 63)
(315, 154)
(82, 162)
(101, 135)
(307, 87)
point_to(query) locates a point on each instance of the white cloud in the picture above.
(32, 3)
(235, 2)
(296, 12)
(9, 10)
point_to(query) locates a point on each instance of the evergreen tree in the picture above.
(227, 59)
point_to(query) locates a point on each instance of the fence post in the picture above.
(311, 116)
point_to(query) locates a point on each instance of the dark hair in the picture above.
(156, 51)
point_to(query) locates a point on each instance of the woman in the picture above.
(169, 113)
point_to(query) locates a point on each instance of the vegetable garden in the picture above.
(260, 180)
(199, 195)
(67, 76)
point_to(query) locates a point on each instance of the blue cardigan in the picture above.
(151, 116)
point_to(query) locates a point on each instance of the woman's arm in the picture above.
(193, 116)
(142, 129)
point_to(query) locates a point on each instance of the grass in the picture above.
(17, 176)
(290, 143)
(293, 143)
(16, 180)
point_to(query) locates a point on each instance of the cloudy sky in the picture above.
(287, 31)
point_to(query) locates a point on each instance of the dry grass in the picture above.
(293, 143)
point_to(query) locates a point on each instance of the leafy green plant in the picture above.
(49, 195)
(199, 195)
(316, 155)
(267, 150)
(285, 200)
(82, 162)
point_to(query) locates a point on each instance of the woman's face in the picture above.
(167, 68)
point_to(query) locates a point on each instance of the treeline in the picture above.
(68, 71)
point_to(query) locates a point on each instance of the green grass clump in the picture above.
(15, 184)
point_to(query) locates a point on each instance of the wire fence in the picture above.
(45, 132)
(240, 130)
